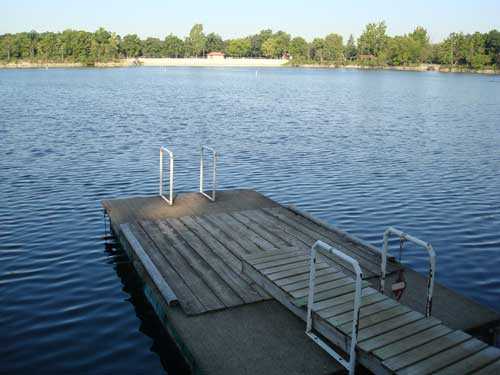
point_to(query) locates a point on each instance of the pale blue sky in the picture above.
(240, 18)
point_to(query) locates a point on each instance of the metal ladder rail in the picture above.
(214, 172)
(432, 263)
(320, 246)
(170, 199)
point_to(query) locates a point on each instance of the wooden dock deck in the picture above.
(193, 253)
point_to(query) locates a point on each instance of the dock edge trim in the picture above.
(165, 290)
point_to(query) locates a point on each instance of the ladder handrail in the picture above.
(214, 173)
(170, 199)
(321, 246)
(432, 263)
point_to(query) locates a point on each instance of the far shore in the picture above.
(235, 62)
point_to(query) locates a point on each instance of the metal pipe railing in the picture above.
(432, 263)
(170, 199)
(350, 365)
(214, 172)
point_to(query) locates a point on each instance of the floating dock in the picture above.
(229, 279)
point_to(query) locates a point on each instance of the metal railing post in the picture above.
(432, 263)
(321, 246)
(170, 199)
(214, 173)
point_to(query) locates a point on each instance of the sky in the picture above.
(230, 19)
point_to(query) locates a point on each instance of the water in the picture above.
(360, 149)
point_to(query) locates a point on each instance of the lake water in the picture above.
(360, 149)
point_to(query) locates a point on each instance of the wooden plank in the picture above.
(190, 304)
(163, 287)
(299, 270)
(337, 301)
(366, 301)
(364, 311)
(373, 319)
(192, 278)
(444, 358)
(492, 369)
(398, 334)
(197, 257)
(262, 231)
(209, 251)
(279, 262)
(234, 246)
(284, 267)
(388, 325)
(411, 342)
(278, 228)
(472, 363)
(323, 287)
(319, 280)
(424, 351)
(304, 277)
(328, 294)
(236, 234)
(270, 256)
(334, 238)
(240, 228)
(370, 269)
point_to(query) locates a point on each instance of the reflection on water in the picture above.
(362, 150)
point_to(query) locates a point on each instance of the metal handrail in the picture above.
(170, 199)
(321, 246)
(214, 171)
(432, 263)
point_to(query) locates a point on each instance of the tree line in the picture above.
(373, 47)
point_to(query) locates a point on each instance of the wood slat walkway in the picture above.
(392, 338)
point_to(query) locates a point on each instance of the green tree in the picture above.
(373, 41)
(153, 47)
(257, 40)
(493, 46)
(196, 41)
(298, 48)
(351, 52)
(334, 48)
(239, 47)
(173, 46)
(420, 44)
(214, 43)
(318, 49)
(131, 46)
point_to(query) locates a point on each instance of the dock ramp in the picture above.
(389, 337)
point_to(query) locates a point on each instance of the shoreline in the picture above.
(237, 62)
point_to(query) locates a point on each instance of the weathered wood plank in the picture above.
(270, 256)
(262, 231)
(472, 363)
(328, 294)
(304, 277)
(365, 310)
(319, 280)
(279, 262)
(284, 267)
(398, 334)
(369, 268)
(334, 238)
(388, 325)
(182, 288)
(321, 288)
(492, 369)
(340, 300)
(411, 342)
(374, 319)
(182, 265)
(444, 358)
(299, 270)
(366, 301)
(241, 229)
(208, 249)
(195, 254)
(163, 287)
(424, 351)
(236, 248)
